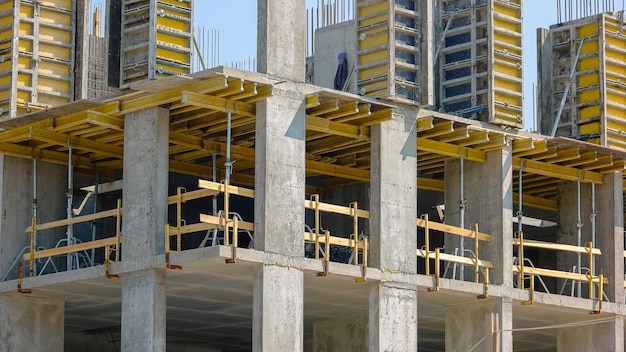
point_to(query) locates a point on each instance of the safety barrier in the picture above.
(315, 235)
(588, 250)
(107, 243)
(426, 253)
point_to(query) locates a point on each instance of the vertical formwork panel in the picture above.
(390, 49)
(156, 39)
(587, 82)
(507, 88)
(480, 60)
(614, 121)
(41, 55)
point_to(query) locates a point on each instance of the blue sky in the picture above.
(236, 22)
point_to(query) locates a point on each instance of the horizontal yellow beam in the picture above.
(558, 274)
(88, 145)
(110, 241)
(219, 187)
(448, 149)
(557, 246)
(556, 171)
(210, 219)
(452, 229)
(74, 220)
(333, 240)
(319, 124)
(218, 104)
(50, 156)
(455, 258)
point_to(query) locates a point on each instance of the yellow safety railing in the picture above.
(106, 243)
(587, 250)
(428, 254)
(317, 237)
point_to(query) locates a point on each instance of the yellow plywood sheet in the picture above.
(377, 19)
(374, 72)
(53, 51)
(53, 85)
(500, 37)
(56, 18)
(616, 126)
(508, 99)
(588, 80)
(589, 112)
(54, 68)
(589, 95)
(587, 30)
(172, 55)
(511, 26)
(373, 57)
(589, 46)
(588, 63)
(177, 3)
(171, 39)
(614, 41)
(507, 85)
(506, 10)
(6, 21)
(369, 10)
(373, 41)
(57, 35)
(507, 70)
(6, 6)
(616, 112)
(170, 68)
(516, 51)
(24, 80)
(589, 128)
(169, 22)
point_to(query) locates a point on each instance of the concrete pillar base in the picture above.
(277, 321)
(31, 324)
(393, 318)
(473, 326)
(605, 337)
(143, 311)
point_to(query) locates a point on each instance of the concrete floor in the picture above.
(209, 302)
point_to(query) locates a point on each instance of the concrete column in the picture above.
(143, 311)
(145, 185)
(610, 234)
(31, 324)
(279, 220)
(341, 335)
(472, 326)
(145, 213)
(488, 191)
(281, 38)
(393, 233)
(16, 190)
(393, 318)
(278, 309)
(605, 337)
(609, 230)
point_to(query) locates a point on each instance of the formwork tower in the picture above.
(479, 57)
(156, 39)
(394, 49)
(593, 108)
(36, 55)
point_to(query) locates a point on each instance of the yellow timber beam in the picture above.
(62, 139)
(447, 149)
(218, 104)
(556, 171)
(50, 156)
(172, 95)
(319, 124)
(424, 124)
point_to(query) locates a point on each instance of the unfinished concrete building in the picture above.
(233, 211)
(582, 92)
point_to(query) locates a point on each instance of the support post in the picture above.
(393, 233)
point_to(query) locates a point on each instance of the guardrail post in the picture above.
(316, 199)
(31, 261)
(179, 200)
(118, 229)
(589, 248)
(355, 230)
(476, 259)
(426, 243)
(520, 254)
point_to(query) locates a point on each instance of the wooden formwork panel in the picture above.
(36, 68)
(388, 49)
(156, 39)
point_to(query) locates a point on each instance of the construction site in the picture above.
(368, 188)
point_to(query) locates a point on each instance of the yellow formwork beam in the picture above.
(218, 104)
(62, 139)
(319, 124)
(556, 171)
(447, 149)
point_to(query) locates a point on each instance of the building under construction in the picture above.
(390, 204)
